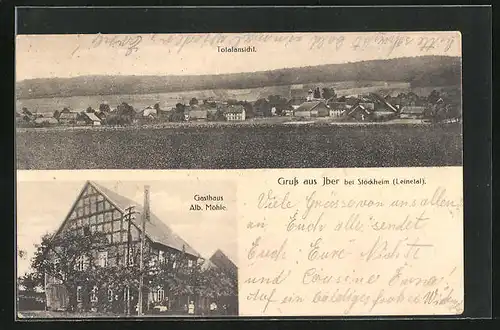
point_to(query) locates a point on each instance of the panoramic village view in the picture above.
(305, 104)
(111, 256)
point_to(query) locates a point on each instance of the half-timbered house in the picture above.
(99, 209)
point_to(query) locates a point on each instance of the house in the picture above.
(90, 118)
(101, 115)
(196, 114)
(69, 117)
(337, 108)
(312, 109)
(100, 209)
(46, 121)
(412, 112)
(235, 113)
(150, 112)
(220, 260)
(359, 113)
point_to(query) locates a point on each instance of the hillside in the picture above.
(418, 71)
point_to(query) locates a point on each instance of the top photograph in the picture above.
(238, 100)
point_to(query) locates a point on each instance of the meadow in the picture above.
(241, 147)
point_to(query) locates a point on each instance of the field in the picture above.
(168, 100)
(230, 147)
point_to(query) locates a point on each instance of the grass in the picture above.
(240, 147)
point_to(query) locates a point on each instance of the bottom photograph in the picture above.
(121, 248)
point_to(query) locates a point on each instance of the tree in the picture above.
(179, 107)
(317, 93)
(65, 110)
(30, 282)
(59, 256)
(177, 116)
(193, 101)
(262, 107)
(104, 107)
(56, 114)
(25, 111)
(328, 93)
(125, 109)
(279, 102)
(434, 96)
(157, 107)
(90, 110)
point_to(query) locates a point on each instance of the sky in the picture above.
(39, 212)
(47, 56)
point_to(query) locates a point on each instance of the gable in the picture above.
(97, 213)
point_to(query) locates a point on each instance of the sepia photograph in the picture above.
(238, 100)
(120, 249)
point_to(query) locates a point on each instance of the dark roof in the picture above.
(156, 230)
(338, 105)
(359, 107)
(92, 116)
(221, 260)
(234, 109)
(309, 106)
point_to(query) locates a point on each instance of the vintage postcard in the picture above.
(239, 175)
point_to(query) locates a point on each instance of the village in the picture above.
(302, 105)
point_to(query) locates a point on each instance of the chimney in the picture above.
(146, 203)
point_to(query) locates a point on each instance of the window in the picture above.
(106, 205)
(174, 264)
(80, 263)
(93, 200)
(103, 258)
(116, 237)
(100, 218)
(117, 215)
(86, 230)
(93, 294)
(100, 198)
(86, 201)
(107, 227)
(93, 220)
(160, 293)
(80, 212)
(79, 294)
(93, 208)
(161, 257)
(85, 221)
(110, 295)
(100, 206)
(190, 263)
(87, 210)
(131, 259)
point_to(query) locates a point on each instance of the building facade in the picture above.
(98, 209)
(312, 109)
